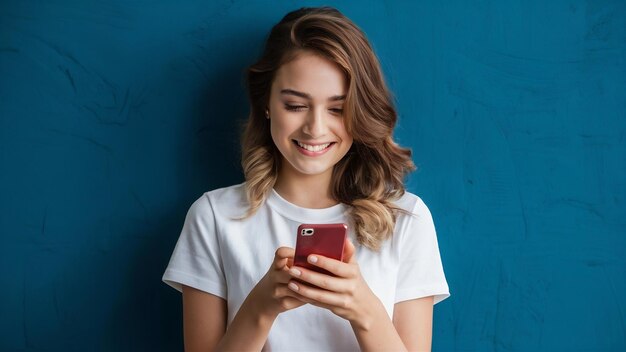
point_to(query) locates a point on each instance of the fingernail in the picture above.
(293, 286)
(294, 272)
(313, 259)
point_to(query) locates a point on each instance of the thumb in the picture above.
(348, 251)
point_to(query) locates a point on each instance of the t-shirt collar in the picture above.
(305, 215)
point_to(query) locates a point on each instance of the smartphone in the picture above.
(323, 239)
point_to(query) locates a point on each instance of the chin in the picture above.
(310, 171)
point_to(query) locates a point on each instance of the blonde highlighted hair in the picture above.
(371, 175)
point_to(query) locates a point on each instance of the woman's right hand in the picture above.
(271, 293)
(270, 297)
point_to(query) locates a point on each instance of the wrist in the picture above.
(374, 312)
(258, 313)
(264, 319)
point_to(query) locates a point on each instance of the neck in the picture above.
(307, 191)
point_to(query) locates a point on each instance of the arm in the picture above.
(204, 319)
(377, 332)
(412, 324)
(205, 315)
(347, 295)
(411, 329)
(249, 329)
(370, 322)
(413, 320)
(204, 324)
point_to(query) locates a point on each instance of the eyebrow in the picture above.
(308, 96)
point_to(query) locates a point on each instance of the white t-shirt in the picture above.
(227, 258)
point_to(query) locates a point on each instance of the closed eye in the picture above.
(294, 107)
(301, 107)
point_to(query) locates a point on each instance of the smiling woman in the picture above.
(307, 127)
(317, 149)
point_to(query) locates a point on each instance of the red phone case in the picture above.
(326, 239)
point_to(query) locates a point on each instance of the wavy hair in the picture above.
(371, 175)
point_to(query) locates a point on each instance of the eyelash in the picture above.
(298, 107)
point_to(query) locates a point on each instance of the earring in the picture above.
(267, 114)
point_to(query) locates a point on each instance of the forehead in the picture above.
(312, 74)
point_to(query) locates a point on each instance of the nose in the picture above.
(315, 125)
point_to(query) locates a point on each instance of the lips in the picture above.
(313, 149)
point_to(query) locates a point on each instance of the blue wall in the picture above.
(116, 116)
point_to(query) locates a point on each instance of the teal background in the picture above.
(116, 115)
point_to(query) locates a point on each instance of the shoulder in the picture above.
(417, 221)
(225, 200)
(231, 196)
(411, 202)
(415, 232)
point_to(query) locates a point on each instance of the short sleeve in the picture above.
(421, 272)
(196, 260)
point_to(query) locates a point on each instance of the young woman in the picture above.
(317, 148)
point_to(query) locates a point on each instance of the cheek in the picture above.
(345, 136)
(347, 139)
(276, 126)
(280, 129)
(348, 145)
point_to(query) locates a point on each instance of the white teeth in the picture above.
(313, 148)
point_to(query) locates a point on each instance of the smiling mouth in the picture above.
(313, 148)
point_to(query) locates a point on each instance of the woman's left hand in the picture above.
(346, 294)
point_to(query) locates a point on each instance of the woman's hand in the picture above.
(346, 295)
(271, 294)
(251, 325)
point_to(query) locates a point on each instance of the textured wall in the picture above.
(115, 116)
